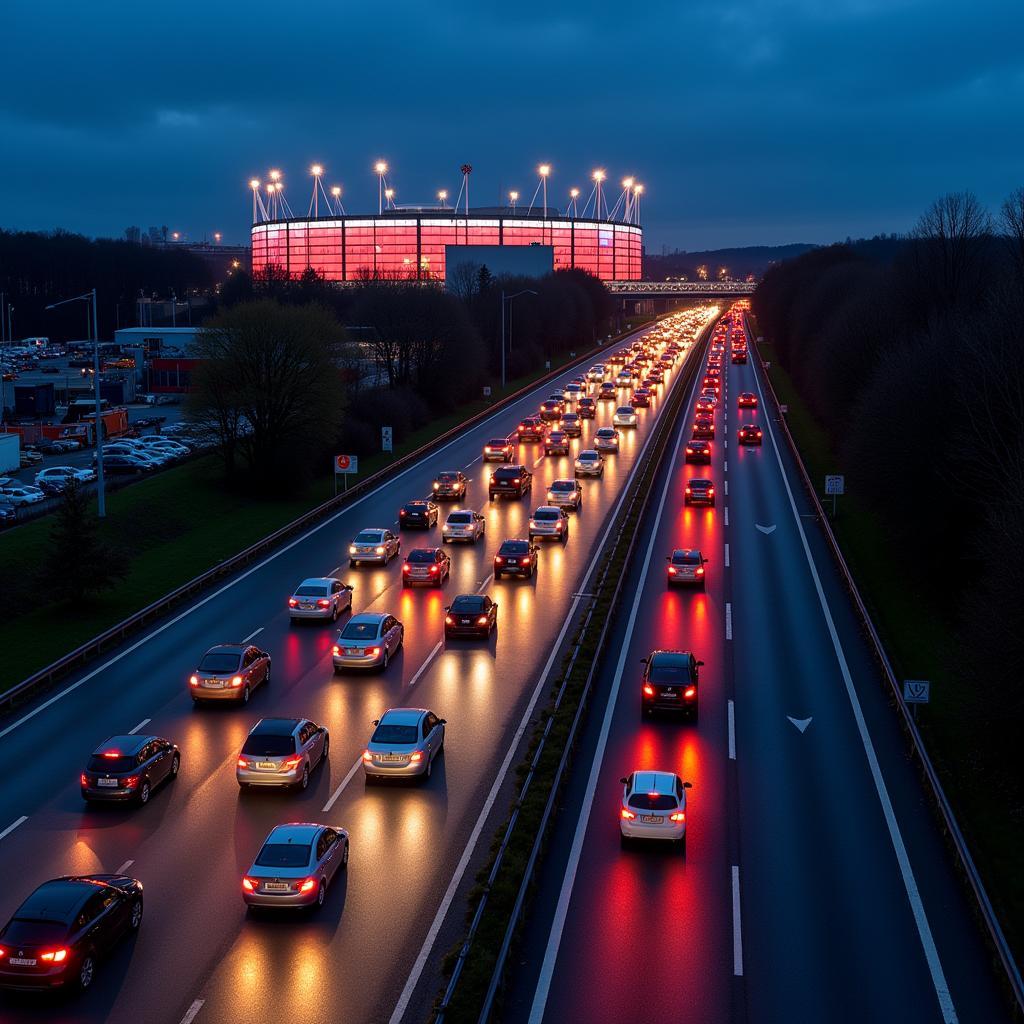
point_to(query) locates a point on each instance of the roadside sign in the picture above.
(835, 484)
(783, 408)
(487, 392)
(346, 463)
(916, 691)
(386, 438)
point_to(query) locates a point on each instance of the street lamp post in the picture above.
(508, 300)
(101, 500)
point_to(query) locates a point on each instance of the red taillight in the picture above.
(308, 885)
(292, 602)
(111, 753)
(524, 561)
(291, 763)
(482, 621)
(405, 568)
(672, 570)
(416, 756)
(130, 782)
(648, 690)
(690, 692)
(688, 491)
(3, 952)
(248, 884)
(237, 681)
(367, 756)
(678, 816)
(335, 649)
(711, 491)
(84, 779)
(242, 763)
(627, 814)
(499, 560)
(700, 570)
(373, 651)
(323, 603)
(402, 511)
(55, 956)
(433, 568)
(193, 680)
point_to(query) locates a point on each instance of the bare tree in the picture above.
(1012, 218)
(463, 280)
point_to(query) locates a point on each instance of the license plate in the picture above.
(670, 694)
(651, 819)
(306, 607)
(392, 757)
(276, 886)
(214, 684)
(21, 961)
(266, 764)
(353, 650)
(465, 622)
(106, 782)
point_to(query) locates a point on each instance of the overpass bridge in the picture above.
(680, 289)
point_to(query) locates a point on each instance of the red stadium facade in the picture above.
(411, 244)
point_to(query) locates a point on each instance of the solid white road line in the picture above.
(141, 725)
(14, 824)
(728, 621)
(737, 934)
(330, 520)
(255, 632)
(732, 731)
(924, 931)
(190, 1014)
(460, 870)
(341, 788)
(547, 969)
(727, 563)
(125, 866)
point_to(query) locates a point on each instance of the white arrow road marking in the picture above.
(800, 723)
(766, 529)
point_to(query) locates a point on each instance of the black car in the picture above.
(8, 511)
(515, 558)
(515, 481)
(571, 426)
(129, 768)
(421, 514)
(470, 615)
(586, 409)
(698, 451)
(57, 936)
(531, 429)
(125, 464)
(670, 683)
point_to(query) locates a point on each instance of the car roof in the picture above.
(686, 553)
(58, 899)
(498, 440)
(294, 832)
(233, 648)
(701, 481)
(589, 451)
(275, 726)
(373, 529)
(671, 657)
(418, 501)
(549, 508)
(403, 716)
(514, 540)
(655, 782)
(127, 745)
(567, 480)
(374, 617)
(325, 581)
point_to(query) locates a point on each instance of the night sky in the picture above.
(749, 121)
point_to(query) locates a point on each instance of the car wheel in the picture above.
(384, 663)
(321, 892)
(245, 694)
(135, 919)
(334, 613)
(327, 749)
(344, 856)
(86, 971)
(175, 766)
(430, 767)
(144, 792)
(304, 781)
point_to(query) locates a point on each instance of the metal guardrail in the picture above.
(942, 804)
(81, 655)
(629, 517)
(709, 289)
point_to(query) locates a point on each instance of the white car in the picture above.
(57, 476)
(596, 373)
(404, 744)
(589, 463)
(549, 521)
(625, 416)
(653, 807)
(67, 444)
(166, 448)
(373, 545)
(566, 494)
(322, 597)
(607, 439)
(465, 524)
(573, 392)
(24, 494)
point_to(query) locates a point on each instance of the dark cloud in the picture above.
(749, 120)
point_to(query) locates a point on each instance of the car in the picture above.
(556, 443)
(282, 752)
(712, 382)
(23, 494)
(465, 524)
(747, 400)
(420, 513)
(698, 452)
(367, 641)
(515, 558)
(641, 398)
(606, 439)
(589, 462)
(320, 597)
(653, 807)
(127, 769)
(8, 510)
(571, 425)
(750, 433)
(686, 566)
(624, 378)
(551, 410)
(154, 442)
(704, 407)
(709, 396)
(29, 457)
(573, 391)
(703, 427)
(549, 521)
(67, 444)
(516, 481)
(586, 408)
(229, 672)
(373, 545)
(531, 428)
(470, 615)
(625, 416)
(608, 392)
(122, 464)
(739, 355)
(657, 375)
(699, 491)
(566, 494)
(55, 478)
(65, 927)
(426, 565)
(295, 865)
(499, 449)
(450, 484)
(148, 458)
(670, 683)
(404, 744)
(596, 373)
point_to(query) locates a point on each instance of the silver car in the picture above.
(295, 866)
(625, 416)
(373, 545)
(549, 521)
(464, 525)
(322, 597)
(566, 494)
(404, 744)
(282, 752)
(607, 440)
(56, 477)
(368, 641)
(589, 463)
(25, 494)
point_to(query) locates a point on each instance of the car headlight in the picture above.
(379, 550)
(351, 549)
(446, 527)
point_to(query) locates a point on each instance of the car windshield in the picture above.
(514, 547)
(563, 485)
(219, 661)
(283, 855)
(507, 474)
(421, 555)
(653, 802)
(360, 631)
(461, 517)
(686, 559)
(496, 442)
(368, 537)
(30, 932)
(588, 456)
(545, 513)
(571, 418)
(269, 746)
(416, 506)
(447, 478)
(102, 763)
(312, 591)
(385, 733)
(468, 603)
(606, 432)
(662, 671)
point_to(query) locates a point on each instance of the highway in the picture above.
(369, 953)
(815, 886)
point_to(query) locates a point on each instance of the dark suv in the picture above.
(514, 481)
(531, 429)
(670, 683)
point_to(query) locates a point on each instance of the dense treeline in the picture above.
(914, 365)
(37, 269)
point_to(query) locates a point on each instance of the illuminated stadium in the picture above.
(409, 242)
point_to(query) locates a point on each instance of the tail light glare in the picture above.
(248, 884)
(289, 764)
(433, 568)
(236, 681)
(405, 568)
(678, 816)
(688, 491)
(130, 782)
(379, 550)
(367, 756)
(308, 885)
(84, 780)
(55, 956)
(482, 621)
(524, 561)
(448, 620)
(672, 570)
(373, 652)
(499, 560)
(323, 602)
(690, 692)
(193, 680)
(292, 602)
(335, 649)
(648, 690)
(243, 763)
(626, 814)
(416, 756)
(700, 570)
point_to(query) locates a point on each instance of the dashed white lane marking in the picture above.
(726, 466)
(726, 515)
(538, 462)
(732, 731)
(192, 1011)
(426, 664)
(728, 621)
(13, 825)
(737, 935)
(341, 787)
(255, 632)
(141, 725)
(125, 866)
(727, 488)
(726, 444)
(727, 556)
